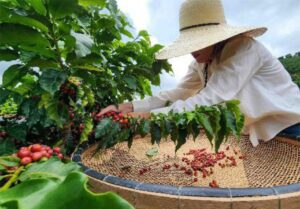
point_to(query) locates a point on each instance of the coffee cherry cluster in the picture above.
(66, 89)
(3, 134)
(79, 127)
(37, 152)
(124, 120)
(71, 113)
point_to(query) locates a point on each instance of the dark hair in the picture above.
(218, 48)
(217, 51)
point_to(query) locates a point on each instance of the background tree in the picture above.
(292, 64)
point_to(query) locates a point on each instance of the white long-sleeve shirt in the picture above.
(247, 72)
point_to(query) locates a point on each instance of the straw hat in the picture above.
(202, 24)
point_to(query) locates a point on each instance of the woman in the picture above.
(229, 64)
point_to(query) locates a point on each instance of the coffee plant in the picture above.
(73, 57)
(218, 121)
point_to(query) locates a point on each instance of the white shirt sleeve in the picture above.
(189, 85)
(239, 62)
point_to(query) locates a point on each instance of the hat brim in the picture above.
(195, 39)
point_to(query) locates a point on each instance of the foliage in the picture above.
(74, 57)
(292, 65)
(218, 122)
(49, 185)
(8, 108)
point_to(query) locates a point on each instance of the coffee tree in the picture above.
(73, 58)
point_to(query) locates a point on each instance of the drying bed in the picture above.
(264, 177)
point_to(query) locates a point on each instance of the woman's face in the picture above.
(203, 55)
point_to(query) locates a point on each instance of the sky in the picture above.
(160, 19)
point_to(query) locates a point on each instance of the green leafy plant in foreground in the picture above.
(53, 184)
(218, 121)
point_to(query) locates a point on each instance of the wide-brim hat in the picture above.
(203, 24)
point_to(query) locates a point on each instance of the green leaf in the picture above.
(230, 122)
(6, 147)
(174, 133)
(103, 128)
(144, 128)
(131, 82)
(26, 84)
(194, 129)
(113, 6)
(203, 120)
(152, 152)
(13, 74)
(155, 80)
(52, 79)
(165, 127)
(182, 136)
(49, 185)
(55, 111)
(17, 131)
(155, 133)
(10, 34)
(14, 3)
(43, 51)
(87, 3)
(90, 68)
(233, 106)
(8, 55)
(42, 63)
(5, 95)
(8, 16)
(2, 168)
(47, 193)
(157, 66)
(123, 135)
(60, 9)
(156, 48)
(84, 44)
(190, 116)
(38, 6)
(107, 131)
(126, 33)
(52, 168)
(145, 35)
(88, 127)
(29, 108)
(221, 131)
(9, 161)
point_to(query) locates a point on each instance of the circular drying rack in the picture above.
(144, 195)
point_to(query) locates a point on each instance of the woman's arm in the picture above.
(189, 85)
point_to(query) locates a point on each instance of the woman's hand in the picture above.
(123, 108)
(145, 115)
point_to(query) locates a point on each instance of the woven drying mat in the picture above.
(272, 163)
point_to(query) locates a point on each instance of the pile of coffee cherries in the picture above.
(200, 163)
(37, 152)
